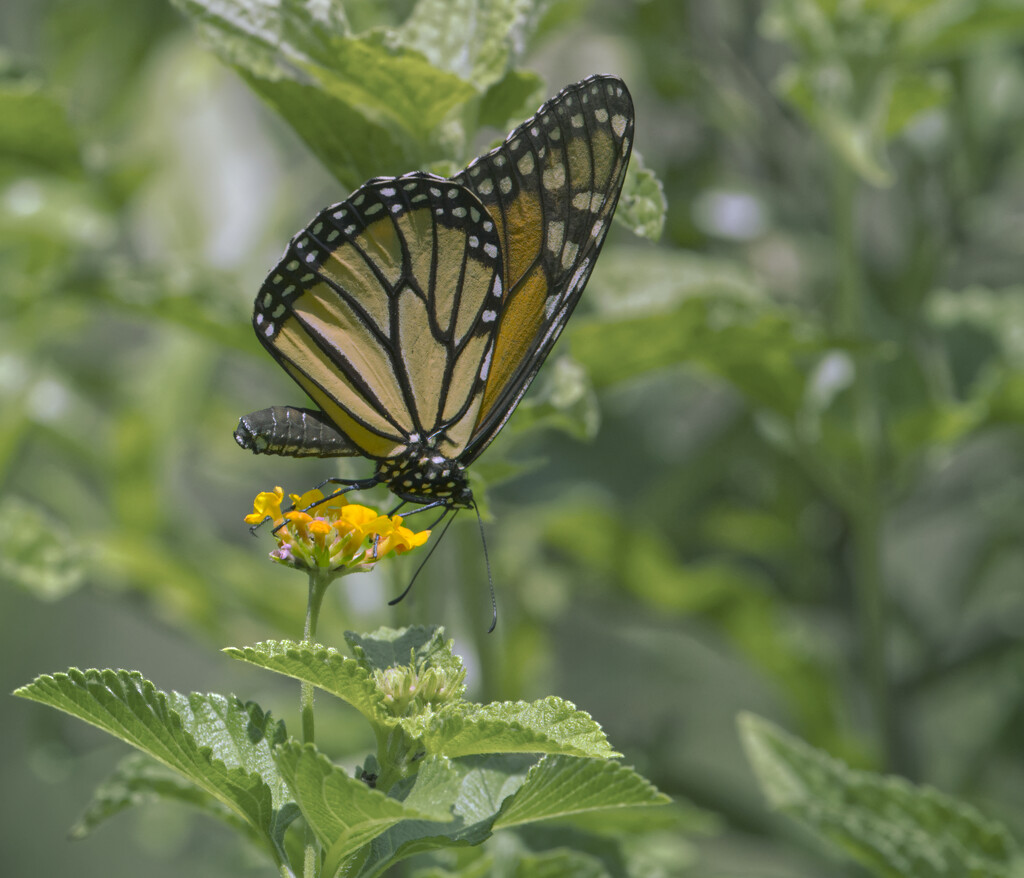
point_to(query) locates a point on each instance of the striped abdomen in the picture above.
(292, 432)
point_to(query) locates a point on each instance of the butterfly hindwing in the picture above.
(551, 188)
(383, 310)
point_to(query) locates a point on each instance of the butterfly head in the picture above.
(421, 474)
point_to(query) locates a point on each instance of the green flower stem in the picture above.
(319, 579)
(318, 582)
(867, 506)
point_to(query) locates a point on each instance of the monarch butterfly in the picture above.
(416, 312)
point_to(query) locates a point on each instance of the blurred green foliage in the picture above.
(804, 496)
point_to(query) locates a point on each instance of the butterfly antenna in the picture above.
(423, 563)
(487, 562)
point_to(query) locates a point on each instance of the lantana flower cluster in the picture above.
(334, 535)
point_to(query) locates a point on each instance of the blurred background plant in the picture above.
(775, 464)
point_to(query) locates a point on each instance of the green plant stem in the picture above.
(866, 507)
(318, 582)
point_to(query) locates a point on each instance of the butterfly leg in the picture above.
(349, 485)
(433, 505)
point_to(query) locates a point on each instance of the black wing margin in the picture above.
(551, 188)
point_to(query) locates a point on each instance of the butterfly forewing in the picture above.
(551, 188)
(384, 308)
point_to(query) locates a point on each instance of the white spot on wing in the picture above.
(554, 177)
(556, 232)
(579, 275)
(618, 124)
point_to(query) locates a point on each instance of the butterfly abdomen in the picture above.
(292, 432)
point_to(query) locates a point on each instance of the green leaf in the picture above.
(219, 744)
(478, 40)
(998, 313)
(37, 553)
(642, 205)
(562, 398)
(893, 827)
(822, 93)
(268, 39)
(473, 789)
(559, 863)
(692, 312)
(632, 281)
(394, 647)
(325, 667)
(511, 99)
(365, 105)
(677, 818)
(550, 725)
(34, 127)
(237, 734)
(138, 780)
(914, 93)
(345, 813)
(956, 27)
(562, 785)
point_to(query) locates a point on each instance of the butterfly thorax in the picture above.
(421, 474)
